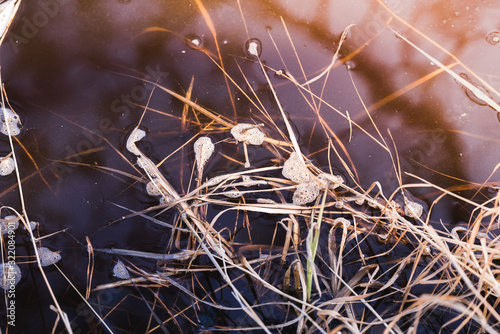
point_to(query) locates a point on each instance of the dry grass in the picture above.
(322, 279)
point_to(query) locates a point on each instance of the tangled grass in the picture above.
(321, 272)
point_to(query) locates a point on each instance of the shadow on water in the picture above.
(67, 68)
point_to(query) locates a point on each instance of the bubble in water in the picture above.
(194, 42)
(493, 37)
(330, 181)
(471, 95)
(350, 65)
(253, 47)
(32, 225)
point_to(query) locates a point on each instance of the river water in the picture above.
(74, 71)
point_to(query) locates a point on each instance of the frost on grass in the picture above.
(7, 165)
(9, 121)
(10, 274)
(9, 223)
(119, 271)
(135, 136)
(203, 150)
(248, 133)
(48, 257)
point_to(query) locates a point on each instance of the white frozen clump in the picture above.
(248, 133)
(154, 188)
(203, 150)
(345, 222)
(12, 221)
(135, 136)
(232, 194)
(246, 178)
(306, 193)
(7, 166)
(265, 201)
(373, 203)
(11, 122)
(253, 48)
(413, 209)
(295, 170)
(249, 182)
(48, 257)
(119, 271)
(10, 275)
(309, 185)
(194, 42)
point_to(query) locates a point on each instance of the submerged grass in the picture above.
(322, 278)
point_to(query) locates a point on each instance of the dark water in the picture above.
(67, 68)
